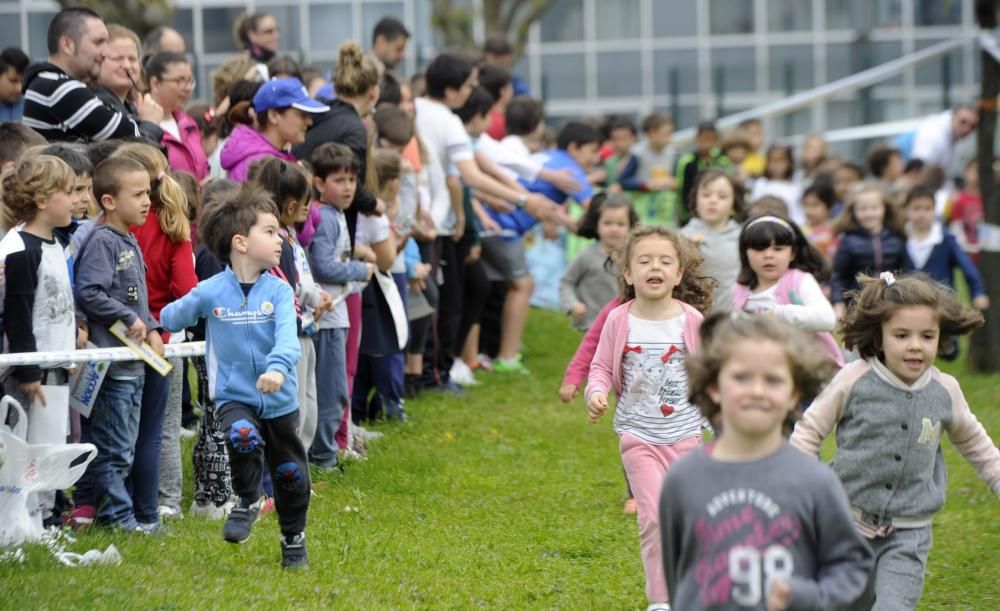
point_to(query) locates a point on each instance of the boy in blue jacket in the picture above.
(252, 349)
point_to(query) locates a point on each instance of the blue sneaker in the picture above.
(293, 551)
(236, 528)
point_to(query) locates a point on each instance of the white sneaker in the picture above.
(461, 374)
(188, 433)
(210, 511)
(166, 511)
(365, 435)
(658, 607)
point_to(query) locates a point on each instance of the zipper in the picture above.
(253, 361)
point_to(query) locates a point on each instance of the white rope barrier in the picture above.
(95, 355)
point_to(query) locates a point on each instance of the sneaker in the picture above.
(210, 511)
(658, 607)
(154, 529)
(82, 516)
(293, 551)
(449, 387)
(349, 455)
(241, 518)
(166, 511)
(366, 435)
(511, 366)
(461, 374)
(485, 363)
(631, 506)
(411, 386)
(187, 433)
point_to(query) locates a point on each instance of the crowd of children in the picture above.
(345, 253)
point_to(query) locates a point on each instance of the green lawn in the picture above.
(504, 498)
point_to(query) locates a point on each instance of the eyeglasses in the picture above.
(180, 80)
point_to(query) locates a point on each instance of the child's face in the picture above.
(661, 136)
(262, 244)
(84, 191)
(771, 263)
(812, 151)
(714, 202)
(755, 389)
(622, 140)
(57, 209)
(894, 169)
(612, 227)
(705, 142)
(736, 154)
(778, 165)
(755, 135)
(971, 177)
(843, 178)
(653, 268)
(587, 155)
(815, 210)
(302, 210)
(338, 188)
(910, 341)
(130, 206)
(869, 210)
(920, 213)
(477, 125)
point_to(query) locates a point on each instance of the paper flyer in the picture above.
(84, 384)
(144, 351)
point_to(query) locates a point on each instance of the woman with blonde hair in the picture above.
(118, 86)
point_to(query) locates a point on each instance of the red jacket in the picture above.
(169, 265)
(186, 154)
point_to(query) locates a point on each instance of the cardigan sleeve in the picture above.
(809, 308)
(579, 368)
(970, 438)
(826, 410)
(602, 366)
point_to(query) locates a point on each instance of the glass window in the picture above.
(563, 76)
(330, 25)
(850, 58)
(792, 124)
(886, 51)
(675, 18)
(288, 22)
(731, 16)
(789, 15)
(938, 12)
(792, 68)
(675, 69)
(183, 22)
(933, 72)
(218, 28)
(38, 28)
(734, 70)
(683, 116)
(619, 74)
(617, 19)
(10, 30)
(563, 22)
(863, 14)
(522, 71)
(372, 12)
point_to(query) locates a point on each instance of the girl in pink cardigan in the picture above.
(640, 356)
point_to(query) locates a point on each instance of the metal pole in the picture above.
(675, 93)
(720, 88)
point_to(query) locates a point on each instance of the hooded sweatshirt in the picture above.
(721, 250)
(244, 146)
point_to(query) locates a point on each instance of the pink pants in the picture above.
(646, 465)
(353, 345)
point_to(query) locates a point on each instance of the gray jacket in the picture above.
(721, 250)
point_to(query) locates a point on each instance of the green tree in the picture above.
(509, 18)
(140, 16)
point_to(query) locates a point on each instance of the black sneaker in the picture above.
(236, 528)
(293, 552)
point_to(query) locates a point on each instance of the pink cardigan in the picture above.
(606, 368)
(188, 153)
(579, 367)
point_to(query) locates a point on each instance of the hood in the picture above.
(35, 69)
(243, 143)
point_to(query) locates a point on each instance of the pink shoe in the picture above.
(631, 506)
(82, 516)
(268, 506)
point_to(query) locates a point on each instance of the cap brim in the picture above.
(310, 105)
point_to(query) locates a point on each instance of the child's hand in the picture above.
(82, 334)
(270, 381)
(697, 239)
(325, 303)
(779, 597)
(33, 390)
(474, 253)
(565, 182)
(155, 342)
(578, 310)
(137, 332)
(596, 406)
(839, 309)
(568, 392)
(371, 270)
(981, 303)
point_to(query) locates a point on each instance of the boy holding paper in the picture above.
(111, 287)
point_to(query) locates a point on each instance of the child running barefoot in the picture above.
(591, 280)
(889, 410)
(749, 522)
(779, 274)
(640, 356)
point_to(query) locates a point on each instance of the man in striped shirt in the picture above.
(57, 104)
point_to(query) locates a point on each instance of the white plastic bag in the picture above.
(28, 469)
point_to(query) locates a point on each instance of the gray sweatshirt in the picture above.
(589, 282)
(728, 528)
(721, 250)
(110, 285)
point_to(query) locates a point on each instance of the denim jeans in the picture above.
(113, 427)
(331, 394)
(144, 479)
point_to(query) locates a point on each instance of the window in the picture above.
(38, 28)
(789, 15)
(731, 16)
(372, 12)
(675, 18)
(863, 14)
(563, 22)
(792, 124)
(617, 19)
(330, 25)
(619, 74)
(734, 70)
(932, 72)
(938, 12)
(183, 22)
(218, 29)
(675, 69)
(850, 58)
(10, 30)
(791, 68)
(563, 76)
(683, 116)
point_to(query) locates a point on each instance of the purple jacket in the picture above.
(186, 154)
(244, 146)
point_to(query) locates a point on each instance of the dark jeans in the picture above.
(276, 440)
(384, 374)
(144, 480)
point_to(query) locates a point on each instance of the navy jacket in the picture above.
(861, 252)
(945, 257)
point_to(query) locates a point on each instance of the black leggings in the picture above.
(477, 290)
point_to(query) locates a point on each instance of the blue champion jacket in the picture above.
(246, 336)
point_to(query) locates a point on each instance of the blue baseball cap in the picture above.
(284, 93)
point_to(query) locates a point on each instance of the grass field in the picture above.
(504, 498)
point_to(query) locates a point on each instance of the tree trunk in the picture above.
(984, 344)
